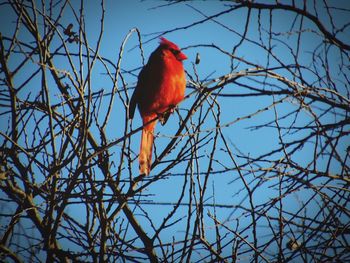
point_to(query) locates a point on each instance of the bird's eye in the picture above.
(175, 51)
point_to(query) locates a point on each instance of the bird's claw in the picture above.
(164, 116)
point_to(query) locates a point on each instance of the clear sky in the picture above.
(152, 21)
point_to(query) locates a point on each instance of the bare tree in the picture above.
(70, 189)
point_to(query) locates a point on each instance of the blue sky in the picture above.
(151, 19)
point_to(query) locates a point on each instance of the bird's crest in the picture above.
(165, 42)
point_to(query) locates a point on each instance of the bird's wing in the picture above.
(136, 95)
(133, 102)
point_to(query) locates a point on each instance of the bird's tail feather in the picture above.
(145, 157)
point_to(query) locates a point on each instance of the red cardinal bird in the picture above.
(160, 87)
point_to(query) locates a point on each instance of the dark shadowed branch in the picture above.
(256, 159)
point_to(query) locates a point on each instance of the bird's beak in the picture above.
(181, 56)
